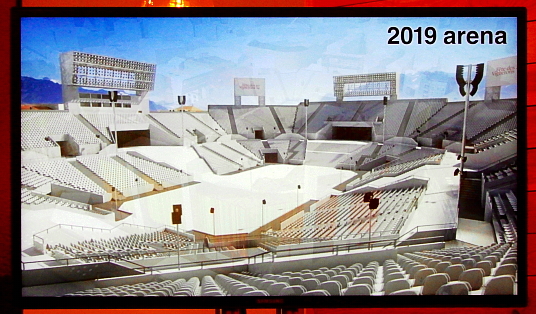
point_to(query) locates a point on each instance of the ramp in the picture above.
(93, 129)
(92, 176)
(357, 114)
(442, 122)
(277, 120)
(138, 172)
(493, 126)
(232, 121)
(311, 118)
(405, 120)
(162, 126)
(373, 155)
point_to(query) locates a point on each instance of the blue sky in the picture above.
(298, 57)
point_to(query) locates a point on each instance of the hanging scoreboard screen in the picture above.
(91, 70)
(376, 84)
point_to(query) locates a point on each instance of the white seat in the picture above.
(433, 282)
(275, 288)
(454, 288)
(316, 293)
(474, 276)
(292, 290)
(500, 285)
(360, 289)
(395, 285)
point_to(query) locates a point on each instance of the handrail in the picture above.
(131, 262)
(60, 199)
(256, 159)
(174, 229)
(420, 161)
(390, 184)
(118, 256)
(221, 156)
(454, 225)
(161, 228)
(334, 248)
(361, 236)
(426, 238)
(101, 229)
(60, 225)
(211, 262)
(409, 178)
(135, 225)
(385, 171)
(203, 123)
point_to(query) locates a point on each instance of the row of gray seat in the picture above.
(179, 287)
(493, 275)
(438, 272)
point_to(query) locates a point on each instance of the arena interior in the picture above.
(355, 196)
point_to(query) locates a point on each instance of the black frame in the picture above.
(276, 302)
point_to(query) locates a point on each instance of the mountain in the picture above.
(40, 91)
(411, 85)
(46, 91)
(157, 106)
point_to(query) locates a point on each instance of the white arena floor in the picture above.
(237, 198)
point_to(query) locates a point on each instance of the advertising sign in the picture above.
(249, 87)
(502, 72)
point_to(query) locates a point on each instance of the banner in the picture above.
(249, 87)
(502, 72)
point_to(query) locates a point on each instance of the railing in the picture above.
(385, 171)
(37, 235)
(336, 248)
(72, 260)
(123, 257)
(93, 229)
(415, 230)
(256, 159)
(441, 123)
(319, 247)
(65, 201)
(249, 150)
(431, 159)
(358, 236)
(137, 226)
(78, 261)
(203, 123)
(196, 149)
(162, 125)
(219, 261)
(181, 231)
(219, 125)
(222, 156)
(436, 111)
(394, 240)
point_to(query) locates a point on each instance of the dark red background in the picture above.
(5, 157)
